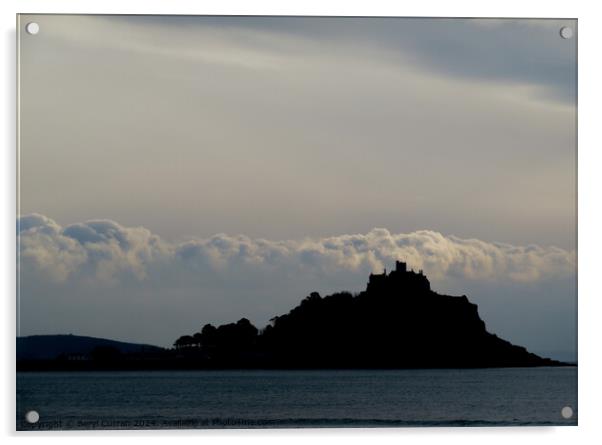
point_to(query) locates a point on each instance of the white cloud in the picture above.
(105, 252)
(99, 249)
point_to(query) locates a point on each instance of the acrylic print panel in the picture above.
(264, 222)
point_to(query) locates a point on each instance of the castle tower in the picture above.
(400, 266)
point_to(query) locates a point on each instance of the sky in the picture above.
(176, 171)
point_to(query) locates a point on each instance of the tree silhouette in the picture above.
(185, 341)
(197, 338)
(208, 335)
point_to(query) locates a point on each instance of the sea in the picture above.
(297, 398)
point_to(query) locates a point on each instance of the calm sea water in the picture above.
(260, 399)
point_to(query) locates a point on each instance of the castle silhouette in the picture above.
(400, 277)
(397, 322)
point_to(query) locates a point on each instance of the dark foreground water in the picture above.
(264, 399)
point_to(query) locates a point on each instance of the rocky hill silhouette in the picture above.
(397, 322)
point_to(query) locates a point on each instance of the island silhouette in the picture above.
(397, 322)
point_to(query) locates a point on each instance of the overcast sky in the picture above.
(318, 142)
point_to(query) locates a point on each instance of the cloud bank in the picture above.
(104, 279)
(104, 252)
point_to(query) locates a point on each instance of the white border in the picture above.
(590, 220)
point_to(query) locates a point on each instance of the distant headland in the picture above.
(397, 322)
